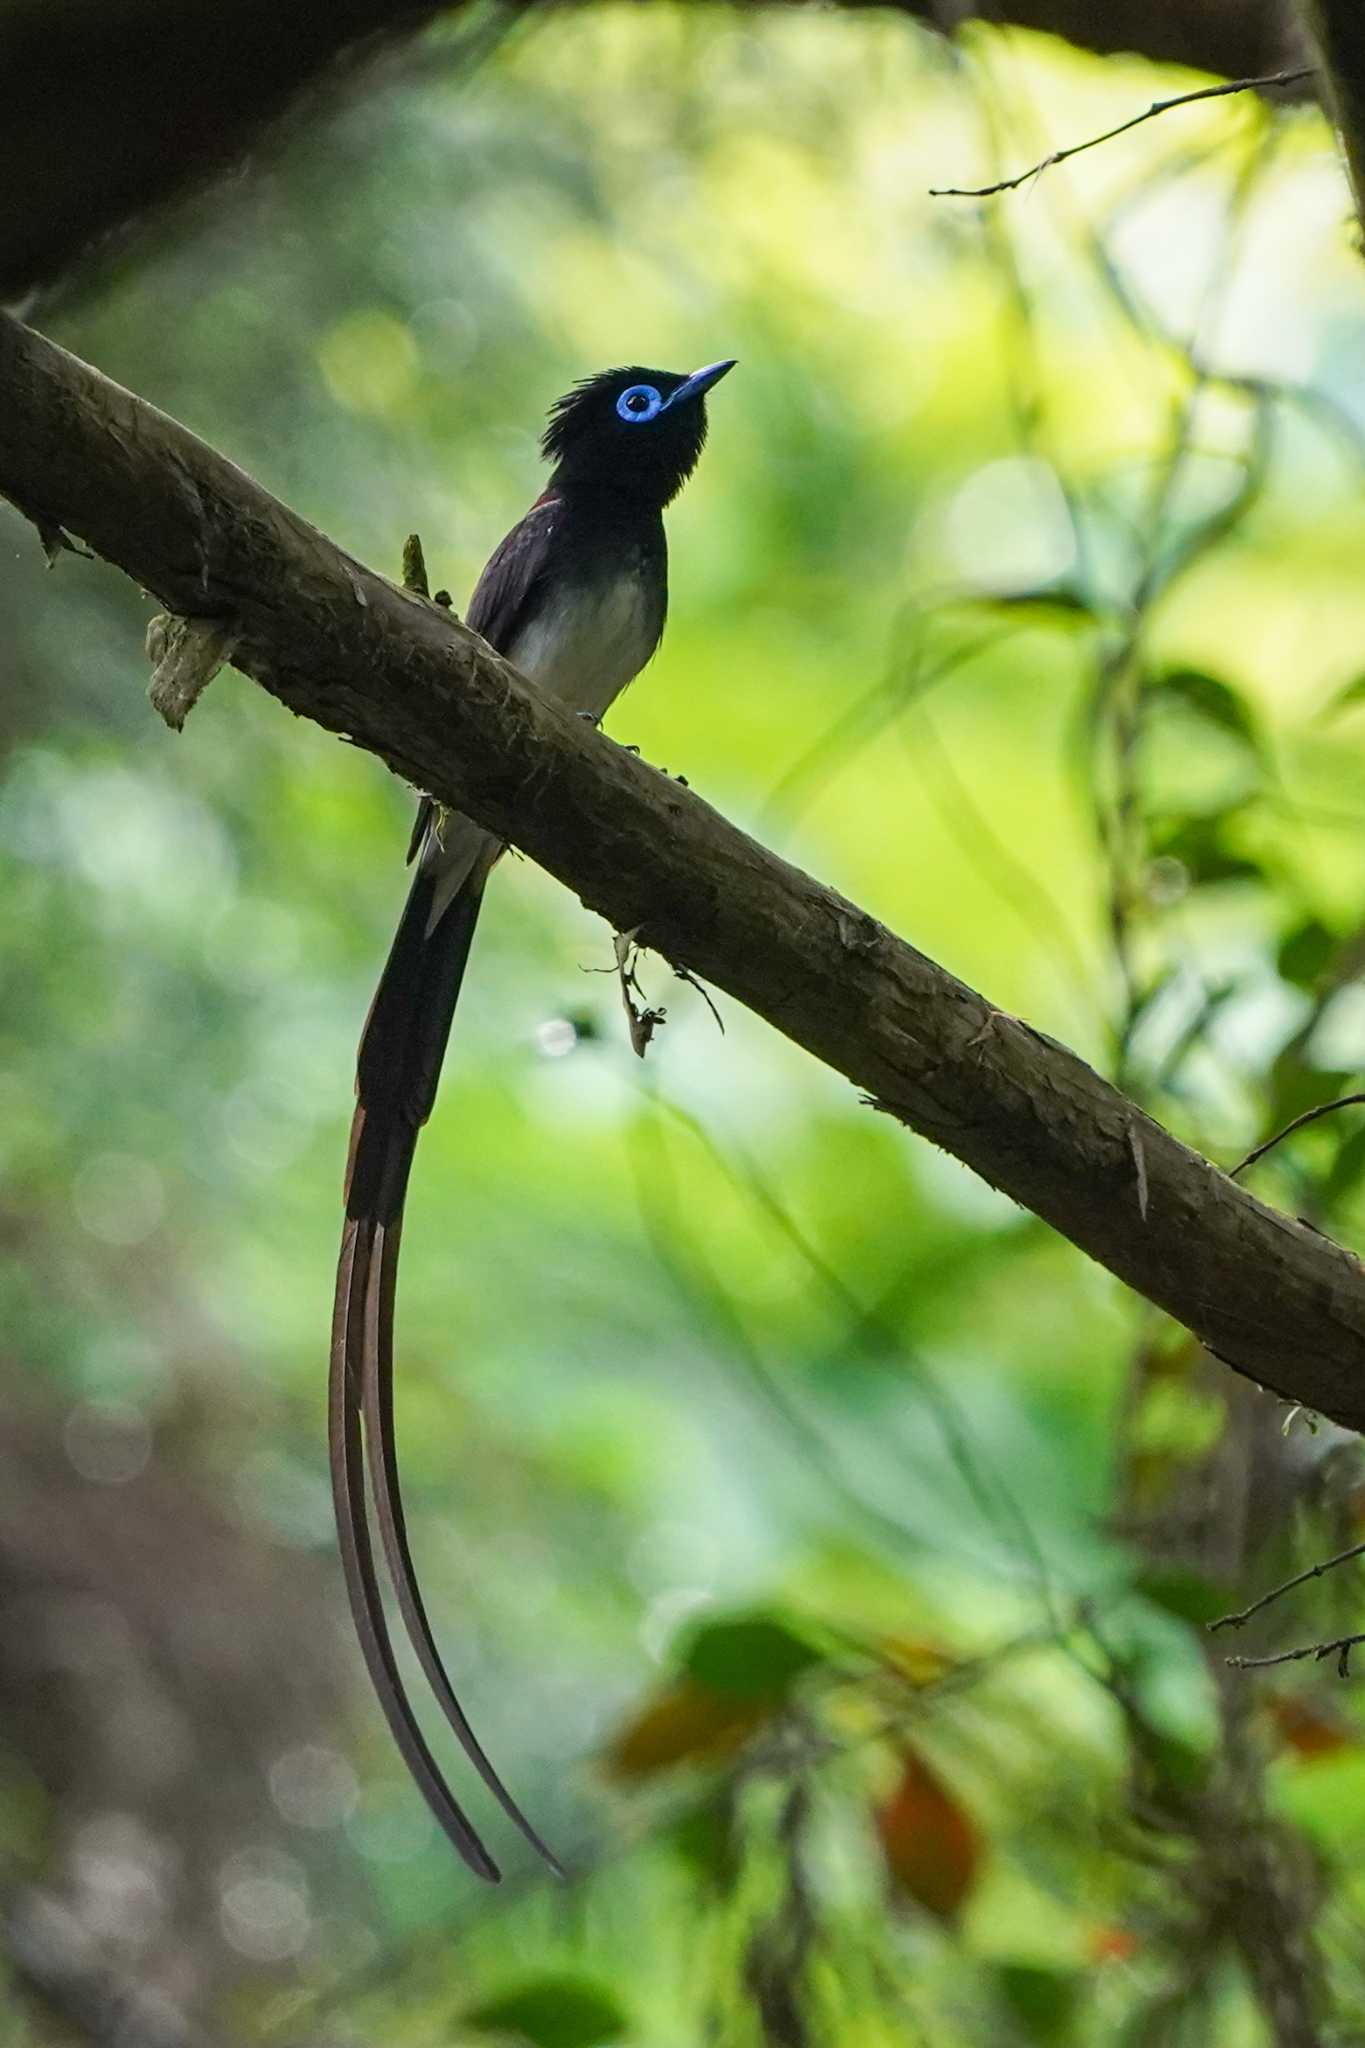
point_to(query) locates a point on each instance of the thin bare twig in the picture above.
(1309, 1116)
(689, 979)
(1314, 1571)
(1343, 1646)
(1061, 156)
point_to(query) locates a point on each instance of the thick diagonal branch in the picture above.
(347, 648)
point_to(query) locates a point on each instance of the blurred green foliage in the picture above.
(813, 1535)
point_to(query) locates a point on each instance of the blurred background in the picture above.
(824, 1548)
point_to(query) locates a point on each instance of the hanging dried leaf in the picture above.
(687, 1722)
(931, 1845)
(1309, 1728)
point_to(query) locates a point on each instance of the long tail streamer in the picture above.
(397, 1072)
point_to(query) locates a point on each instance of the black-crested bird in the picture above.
(575, 598)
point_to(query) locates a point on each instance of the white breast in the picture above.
(586, 644)
(583, 648)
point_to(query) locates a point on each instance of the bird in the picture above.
(575, 597)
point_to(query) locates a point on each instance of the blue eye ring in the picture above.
(641, 402)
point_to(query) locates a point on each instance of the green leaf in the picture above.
(1296, 1087)
(1348, 1167)
(1346, 699)
(1044, 2000)
(703, 1841)
(1175, 1762)
(552, 2012)
(1203, 850)
(1211, 699)
(1055, 604)
(1186, 1594)
(751, 1656)
(1306, 953)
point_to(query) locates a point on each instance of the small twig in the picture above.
(1314, 1571)
(415, 566)
(1309, 1116)
(686, 975)
(642, 1021)
(1342, 1645)
(1061, 156)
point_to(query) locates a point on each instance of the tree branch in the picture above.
(119, 105)
(402, 678)
(168, 92)
(1314, 1571)
(1157, 107)
(1298, 1123)
(1338, 29)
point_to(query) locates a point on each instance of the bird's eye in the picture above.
(641, 402)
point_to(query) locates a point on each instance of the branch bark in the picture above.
(1338, 29)
(400, 677)
(119, 105)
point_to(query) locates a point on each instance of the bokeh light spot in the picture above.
(369, 361)
(313, 1786)
(107, 1441)
(118, 1198)
(263, 1905)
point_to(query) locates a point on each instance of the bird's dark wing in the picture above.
(397, 1071)
(513, 578)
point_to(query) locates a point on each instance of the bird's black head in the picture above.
(632, 433)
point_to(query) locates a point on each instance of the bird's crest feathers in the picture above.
(592, 403)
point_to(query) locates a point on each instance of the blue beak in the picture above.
(700, 381)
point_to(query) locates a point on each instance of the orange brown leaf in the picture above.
(932, 1846)
(685, 1723)
(1308, 1729)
